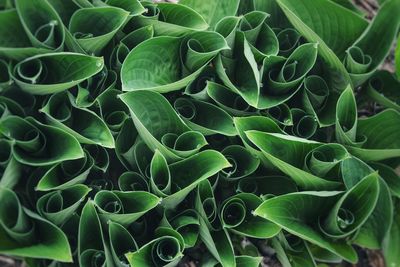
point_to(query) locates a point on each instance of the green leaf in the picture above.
(397, 56)
(205, 203)
(10, 107)
(381, 88)
(121, 242)
(54, 72)
(42, 24)
(287, 153)
(94, 27)
(370, 236)
(112, 110)
(242, 161)
(204, 117)
(164, 130)
(237, 216)
(241, 75)
(218, 243)
(167, 64)
(229, 101)
(260, 123)
(10, 169)
(277, 19)
(188, 173)
(186, 224)
(382, 144)
(166, 250)
(305, 17)
(160, 176)
(301, 211)
(346, 119)
(348, 27)
(132, 39)
(376, 42)
(65, 174)
(65, 9)
(177, 19)
(352, 209)
(140, 133)
(291, 251)
(213, 11)
(58, 206)
(262, 39)
(349, 5)
(247, 261)
(21, 230)
(90, 90)
(124, 207)
(82, 123)
(14, 43)
(324, 160)
(198, 87)
(134, 7)
(304, 125)
(266, 186)
(281, 78)
(37, 144)
(392, 242)
(132, 181)
(90, 238)
(390, 176)
(124, 144)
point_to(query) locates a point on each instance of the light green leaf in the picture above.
(124, 207)
(237, 216)
(242, 161)
(166, 250)
(204, 117)
(301, 211)
(382, 144)
(376, 42)
(213, 11)
(94, 27)
(397, 56)
(370, 236)
(25, 234)
(58, 206)
(177, 19)
(305, 17)
(392, 242)
(287, 153)
(65, 174)
(37, 144)
(352, 210)
(42, 24)
(14, 42)
(281, 78)
(219, 244)
(188, 173)
(164, 130)
(381, 88)
(82, 123)
(90, 238)
(54, 72)
(167, 64)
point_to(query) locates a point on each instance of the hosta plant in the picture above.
(202, 133)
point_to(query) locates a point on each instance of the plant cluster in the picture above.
(142, 134)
